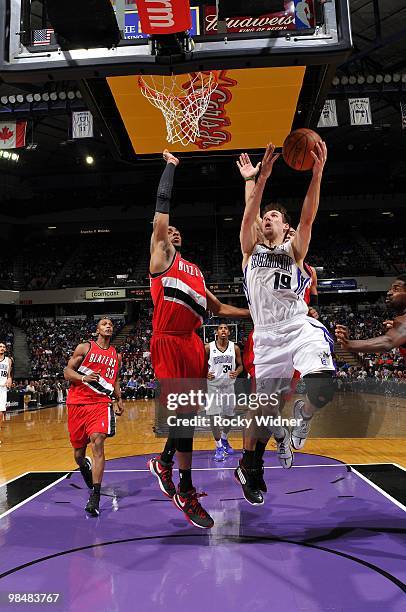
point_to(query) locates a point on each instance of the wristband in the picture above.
(250, 178)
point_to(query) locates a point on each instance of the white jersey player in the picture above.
(6, 371)
(285, 339)
(224, 365)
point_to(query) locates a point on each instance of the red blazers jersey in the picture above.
(179, 297)
(103, 362)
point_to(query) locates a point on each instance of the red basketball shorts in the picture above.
(85, 420)
(180, 365)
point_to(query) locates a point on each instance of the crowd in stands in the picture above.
(97, 260)
(7, 272)
(51, 342)
(42, 392)
(7, 334)
(101, 258)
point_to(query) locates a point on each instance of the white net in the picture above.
(182, 99)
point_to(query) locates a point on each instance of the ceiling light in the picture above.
(344, 80)
(352, 80)
(53, 96)
(228, 218)
(51, 226)
(62, 95)
(71, 95)
(20, 98)
(379, 78)
(396, 77)
(37, 97)
(333, 214)
(370, 79)
(387, 78)
(360, 79)
(29, 98)
(336, 81)
(89, 160)
(45, 96)
(4, 99)
(12, 99)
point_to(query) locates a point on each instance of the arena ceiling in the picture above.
(53, 176)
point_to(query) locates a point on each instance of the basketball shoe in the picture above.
(92, 506)
(299, 433)
(194, 512)
(250, 481)
(86, 471)
(163, 472)
(227, 447)
(284, 451)
(220, 454)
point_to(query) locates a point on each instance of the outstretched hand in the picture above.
(342, 335)
(320, 157)
(169, 158)
(268, 161)
(246, 168)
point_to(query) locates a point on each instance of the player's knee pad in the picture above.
(320, 388)
(184, 445)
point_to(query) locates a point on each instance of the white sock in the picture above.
(218, 443)
(224, 435)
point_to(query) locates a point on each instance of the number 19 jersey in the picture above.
(275, 285)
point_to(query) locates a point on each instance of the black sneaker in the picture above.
(86, 471)
(163, 472)
(261, 484)
(189, 504)
(92, 506)
(249, 481)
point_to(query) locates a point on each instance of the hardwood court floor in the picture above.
(38, 440)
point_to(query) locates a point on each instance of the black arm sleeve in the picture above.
(163, 197)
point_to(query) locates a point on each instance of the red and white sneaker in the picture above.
(163, 472)
(189, 504)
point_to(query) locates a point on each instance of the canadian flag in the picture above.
(12, 134)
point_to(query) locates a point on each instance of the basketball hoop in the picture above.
(182, 99)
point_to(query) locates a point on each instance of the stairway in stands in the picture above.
(21, 353)
(67, 268)
(342, 355)
(18, 273)
(379, 261)
(118, 341)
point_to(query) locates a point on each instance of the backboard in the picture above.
(307, 32)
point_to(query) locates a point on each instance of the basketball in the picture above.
(297, 147)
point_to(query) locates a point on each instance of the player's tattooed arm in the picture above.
(394, 338)
(162, 250)
(70, 372)
(253, 205)
(225, 310)
(301, 241)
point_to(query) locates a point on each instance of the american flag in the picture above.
(42, 37)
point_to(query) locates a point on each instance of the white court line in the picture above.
(374, 486)
(3, 484)
(25, 501)
(209, 469)
(399, 466)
